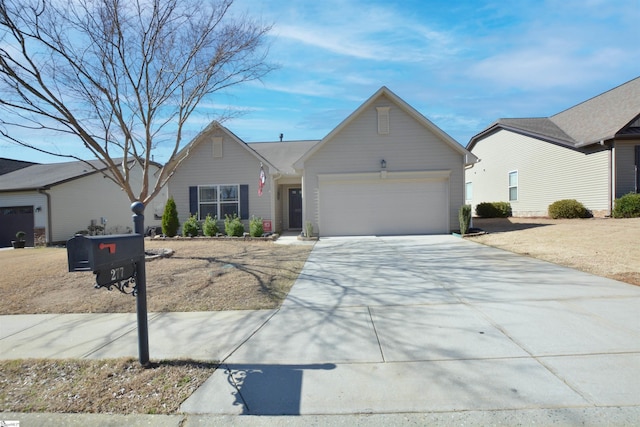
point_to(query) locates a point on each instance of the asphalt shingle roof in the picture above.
(600, 118)
(10, 165)
(283, 154)
(45, 175)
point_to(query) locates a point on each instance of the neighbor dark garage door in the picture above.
(14, 219)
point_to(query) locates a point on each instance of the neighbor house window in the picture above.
(468, 191)
(218, 200)
(513, 186)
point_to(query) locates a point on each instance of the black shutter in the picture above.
(193, 200)
(244, 202)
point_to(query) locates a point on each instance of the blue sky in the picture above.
(462, 64)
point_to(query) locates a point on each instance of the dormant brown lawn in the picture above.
(202, 275)
(214, 275)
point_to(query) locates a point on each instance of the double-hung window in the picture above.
(513, 186)
(218, 200)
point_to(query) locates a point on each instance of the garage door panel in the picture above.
(383, 207)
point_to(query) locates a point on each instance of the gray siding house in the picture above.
(386, 169)
(589, 152)
(51, 202)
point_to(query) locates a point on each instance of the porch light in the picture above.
(383, 164)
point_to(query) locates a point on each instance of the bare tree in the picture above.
(120, 75)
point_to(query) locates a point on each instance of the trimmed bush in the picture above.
(464, 216)
(170, 221)
(255, 227)
(210, 226)
(191, 227)
(567, 208)
(627, 206)
(493, 209)
(233, 226)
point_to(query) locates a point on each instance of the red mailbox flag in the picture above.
(261, 180)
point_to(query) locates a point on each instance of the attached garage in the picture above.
(384, 203)
(385, 170)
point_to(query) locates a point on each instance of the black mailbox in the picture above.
(100, 253)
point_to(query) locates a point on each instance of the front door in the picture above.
(295, 208)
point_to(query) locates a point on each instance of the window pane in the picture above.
(513, 179)
(228, 193)
(208, 194)
(513, 193)
(228, 209)
(208, 208)
(468, 191)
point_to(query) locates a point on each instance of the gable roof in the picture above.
(44, 176)
(600, 118)
(399, 102)
(186, 150)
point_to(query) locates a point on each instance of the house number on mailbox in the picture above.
(120, 277)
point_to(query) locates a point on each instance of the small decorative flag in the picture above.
(261, 180)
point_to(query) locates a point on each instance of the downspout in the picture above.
(48, 196)
(612, 178)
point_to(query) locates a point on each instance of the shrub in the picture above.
(191, 227)
(493, 209)
(464, 216)
(210, 226)
(233, 226)
(567, 208)
(308, 229)
(627, 206)
(255, 227)
(170, 221)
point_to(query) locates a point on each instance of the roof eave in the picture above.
(499, 126)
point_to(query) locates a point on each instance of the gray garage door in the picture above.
(384, 207)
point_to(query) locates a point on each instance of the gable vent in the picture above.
(217, 147)
(383, 120)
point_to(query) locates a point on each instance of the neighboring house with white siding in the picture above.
(589, 152)
(51, 202)
(386, 169)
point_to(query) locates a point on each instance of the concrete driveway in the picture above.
(439, 325)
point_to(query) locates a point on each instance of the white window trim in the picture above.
(517, 186)
(219, 200)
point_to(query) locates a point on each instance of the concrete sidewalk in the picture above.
(209, 336)
(430, 330)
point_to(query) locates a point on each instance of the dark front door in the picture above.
(295, 208)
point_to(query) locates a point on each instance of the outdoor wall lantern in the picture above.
(383, 164)
(39, 208)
